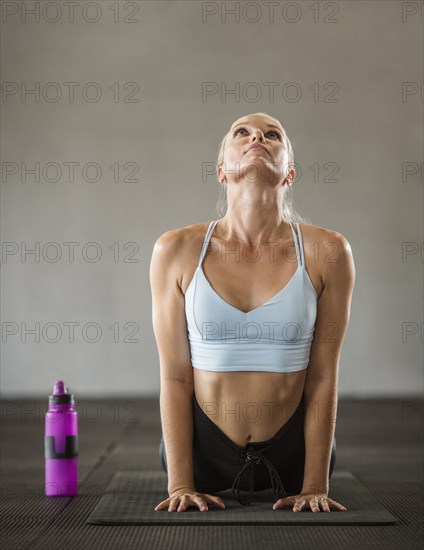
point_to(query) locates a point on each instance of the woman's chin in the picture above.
(258, 166)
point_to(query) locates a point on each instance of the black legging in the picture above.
(219, 463)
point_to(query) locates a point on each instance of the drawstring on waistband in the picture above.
(252, 458)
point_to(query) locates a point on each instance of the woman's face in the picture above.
(267, 163)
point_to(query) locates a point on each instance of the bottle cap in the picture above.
(60, 394)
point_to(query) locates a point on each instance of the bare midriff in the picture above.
(248, 406)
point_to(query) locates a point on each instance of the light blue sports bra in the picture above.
(274, 337)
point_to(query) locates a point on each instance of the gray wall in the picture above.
(368, 129)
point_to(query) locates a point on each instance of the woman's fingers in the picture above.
(218, 501)
(335, 504)
(300, 503)
(162, 504)
(173, 504)
(298, 507)
(211, 500)
(314, 504)
(181, 503)
(325, 506)
(281, 502)
(201, 502)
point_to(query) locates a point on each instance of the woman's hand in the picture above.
(314, 500)
(184, 498)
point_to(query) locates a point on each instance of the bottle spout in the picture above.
(60, 388)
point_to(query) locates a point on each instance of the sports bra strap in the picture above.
(206, 240)
(296, 244)
(302, 254)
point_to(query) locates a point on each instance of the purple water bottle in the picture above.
(61, 443)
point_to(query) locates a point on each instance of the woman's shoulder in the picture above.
(181, 240)
(179, 234)
(328, 249)
(322, 234)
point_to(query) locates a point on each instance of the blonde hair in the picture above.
(289, 210)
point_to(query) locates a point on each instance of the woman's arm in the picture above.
(176, 372)
(177, 429)
(322, 375)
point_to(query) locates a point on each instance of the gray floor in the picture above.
(380, 441)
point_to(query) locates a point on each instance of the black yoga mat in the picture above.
(131, 497)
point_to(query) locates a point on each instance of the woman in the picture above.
(249, 315)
